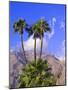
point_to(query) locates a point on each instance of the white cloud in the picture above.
(61, 51)
(52, 24)
(51, 34)
(62, 25)
(29, 44)
(53, 20)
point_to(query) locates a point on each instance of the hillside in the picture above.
(17, 62)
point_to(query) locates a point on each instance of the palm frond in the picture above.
(15, 27)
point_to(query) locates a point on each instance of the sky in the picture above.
(54, 14)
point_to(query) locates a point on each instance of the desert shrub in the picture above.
(36, 74)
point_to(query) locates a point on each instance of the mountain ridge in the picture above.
(17, 61)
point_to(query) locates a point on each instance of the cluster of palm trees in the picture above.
(37, 30)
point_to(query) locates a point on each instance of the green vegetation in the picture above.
(34, 75)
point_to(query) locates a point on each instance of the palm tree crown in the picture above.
(39, 28)
(19, 26)
(43, 27)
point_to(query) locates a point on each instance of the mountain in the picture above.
(58, 68)
(16, 62)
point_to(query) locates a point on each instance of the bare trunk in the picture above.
(23, 47)
(41, 47)
(35, 49)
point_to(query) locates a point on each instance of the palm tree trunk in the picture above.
(41, 47)
(23, 47)
(35, 49)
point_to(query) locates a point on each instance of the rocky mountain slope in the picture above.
(16, 62)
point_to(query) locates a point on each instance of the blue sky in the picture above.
(32, 12)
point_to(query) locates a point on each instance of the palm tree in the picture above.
(33, 30)
(43, 27)
(37, 30)
(20, 26)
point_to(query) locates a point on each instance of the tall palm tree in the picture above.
(20, 26)
(43, 27)
(35, 36)
(37, 30)
(33, 30)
